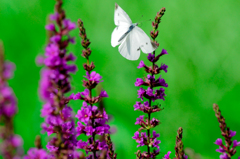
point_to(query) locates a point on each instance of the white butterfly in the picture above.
(130, 36)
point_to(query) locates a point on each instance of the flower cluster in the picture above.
(92, 121)
(55, 83)
(35, 153)
(228, 150)
(153, 92)
(146, 123)
(11, 145)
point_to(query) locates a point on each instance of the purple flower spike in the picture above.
(11, 144)
(229, 149)
(55, 84)
(92, 121)
(149, 95)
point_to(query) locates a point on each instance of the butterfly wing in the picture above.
(123, 22)
(129, 47)
(121, 17)
(145, 43)
(117, 34)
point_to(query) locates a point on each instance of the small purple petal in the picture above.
(50, 27)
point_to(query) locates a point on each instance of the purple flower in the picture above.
(218, 142)
(100, 130)
(163, 67)
(54, 16)
(161, 82)
(85, 93)
(94, 77)
(35, 153)
(139, 82)
(51, 148)
(155, 135)
(151, 57)
(232, 133)
(84, 114)
(103, 94)
(138, 105)
(164, 52)
(89, 130)
(224, 156)
(52, 50)
(156, 142)
(141, 93)
(221, 150)
(160, 94)
(167, 155)
(139, 120)
(80, 128)
(70, 57)
(9, 67)
(55, 38)
(77, 96)
(81, 144)
(149, 92)
(236, 143)
(50, 27)
(141, 64)
(68, 24)
(151, 78)
(136, 135)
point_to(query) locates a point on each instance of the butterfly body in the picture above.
(130, 29)
(131, 38)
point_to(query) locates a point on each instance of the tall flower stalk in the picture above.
(150, 94)
(179, 152)
(11, 144)
(227, 150)
(92, 121)
(55, 83)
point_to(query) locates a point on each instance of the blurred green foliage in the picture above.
(201, 37)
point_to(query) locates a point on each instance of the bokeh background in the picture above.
(201, 37)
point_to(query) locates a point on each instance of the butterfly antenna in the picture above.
(143, 21)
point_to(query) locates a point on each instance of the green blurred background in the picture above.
(201, 37)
